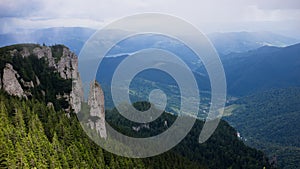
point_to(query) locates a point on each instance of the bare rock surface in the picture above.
(97, 111)
(10, 82)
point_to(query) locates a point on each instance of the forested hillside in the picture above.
(37, 134)
(34, 135)
(270, 121)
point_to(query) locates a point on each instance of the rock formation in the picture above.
(97, 111)
(45, 52)
(67, 67)
(65, 63)
(10, 82)
(76, 95)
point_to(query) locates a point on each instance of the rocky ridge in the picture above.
(65, 63)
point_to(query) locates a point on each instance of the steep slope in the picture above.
(37, 134)
(42, 72)
(34, 135)
(223, 150)
(270, 121)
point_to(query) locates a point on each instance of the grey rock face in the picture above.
(97, 111)
(10, 82)
(45, 52)
(67, 66)
(25, 52)
(76, 95)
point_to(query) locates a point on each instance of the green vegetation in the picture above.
(222, 150)
(57, 51)
(270, 122)
(51, 84)
(33, 135)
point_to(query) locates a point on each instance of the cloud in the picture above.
(278, 4)
(96, 13)
(21, 8)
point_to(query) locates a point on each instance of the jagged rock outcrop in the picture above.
(10, 82)
(45, 52)
(65, 63)
(97, 111)
(67, 67)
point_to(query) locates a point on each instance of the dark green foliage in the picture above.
(57, 51)
(31, 67)
(222, 150)
(270, 121)
(34, 135)
(29, 140)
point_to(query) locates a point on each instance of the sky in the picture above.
(278, 16)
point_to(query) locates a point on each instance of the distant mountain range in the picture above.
(262, 69)
(229, 42)
(257, 70)
(75, 37)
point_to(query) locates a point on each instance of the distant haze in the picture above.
(281, 17)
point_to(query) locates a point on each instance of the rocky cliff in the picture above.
(59, 58)
(97, 111)
(44, 72)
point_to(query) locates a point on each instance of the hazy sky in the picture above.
(279, 16)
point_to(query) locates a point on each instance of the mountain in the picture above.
(50, 74)
(262, 69)
(257, 70)
(228, 42)
(41, 72)
(269, 121)
(40, 128)
(73, 37)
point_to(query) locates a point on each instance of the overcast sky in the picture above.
(279, 16)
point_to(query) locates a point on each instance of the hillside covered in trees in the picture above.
(36, 134)
(269, 121)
